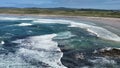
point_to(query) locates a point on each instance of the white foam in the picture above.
(64, 35)
(15, 18)
(24, 24)
(41, 49)
(99, 31)
(51, 21)
(85, 67)
(2, 42)
(102, 62)
(13, 61)
(8, 18)
(108, 49)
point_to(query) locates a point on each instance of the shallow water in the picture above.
(54, 43)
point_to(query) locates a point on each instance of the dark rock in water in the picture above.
(108, 51)
(73, 58)
(79, 56)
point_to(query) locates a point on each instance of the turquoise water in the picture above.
(38, 43)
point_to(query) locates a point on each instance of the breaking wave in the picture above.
(99, 31)
(41, 51)
(24, 24)
(15, 18)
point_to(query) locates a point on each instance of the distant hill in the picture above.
(61, 11)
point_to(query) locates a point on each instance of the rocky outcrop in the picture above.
(108, 51)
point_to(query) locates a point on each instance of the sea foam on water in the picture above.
(40, 49)
(99, 31)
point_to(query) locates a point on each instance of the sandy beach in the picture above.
(112, 23)
(115, 22)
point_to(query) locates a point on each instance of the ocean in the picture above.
(29, 42)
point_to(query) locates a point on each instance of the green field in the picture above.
(62, 11)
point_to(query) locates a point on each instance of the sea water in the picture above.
(52, 43)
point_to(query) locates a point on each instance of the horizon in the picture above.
(77, 4)
(60, 8)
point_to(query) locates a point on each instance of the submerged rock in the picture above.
(109, 51)
(79, 56)
(73, 58)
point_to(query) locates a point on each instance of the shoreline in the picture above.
(107, 22)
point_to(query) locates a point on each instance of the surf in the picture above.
(99, 31)
(40, 49)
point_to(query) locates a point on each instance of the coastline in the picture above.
(79, 55)
(112, 23)
(106, 20)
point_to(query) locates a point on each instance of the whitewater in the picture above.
(34, 45)
(41, 49)
(99, 31)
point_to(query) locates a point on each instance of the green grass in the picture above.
(63, 11)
